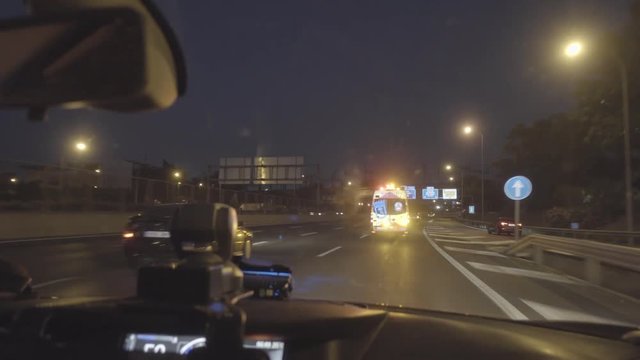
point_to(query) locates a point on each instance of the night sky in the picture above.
(344, 83)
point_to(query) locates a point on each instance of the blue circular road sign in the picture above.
(518, 188)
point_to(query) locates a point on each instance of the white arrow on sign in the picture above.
(517, 186)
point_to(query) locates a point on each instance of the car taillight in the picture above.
(128, 235)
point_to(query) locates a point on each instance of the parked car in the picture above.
(147, 238)
(503, 225)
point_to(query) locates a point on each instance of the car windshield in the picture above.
(297, 112)
(157, 213)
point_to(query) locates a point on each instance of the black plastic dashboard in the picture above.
(295, 329)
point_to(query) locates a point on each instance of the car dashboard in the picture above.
(293, 329)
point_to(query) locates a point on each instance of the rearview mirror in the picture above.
(118, 58)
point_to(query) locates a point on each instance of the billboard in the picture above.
(429, 193)
(411, 192)
(449, 194)
(261, 170)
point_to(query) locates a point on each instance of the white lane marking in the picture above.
(295, 227)
(256, 231)
(309, 233)
(521, 272)
(474, 228)
(475, 252)
(490, 242)
(456, 237)
(556, 313)
(260, 242)
(364, 236)
(330, 251)
(493, 295)
(338, 228)
(57, 238)
(52, 282)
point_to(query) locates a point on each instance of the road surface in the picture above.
(439, 265)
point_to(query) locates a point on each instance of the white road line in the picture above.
(521, 272)
(330, 251)
(494, 296)
(475, 252)
(364, 236)
(52, 282)
(472, 227)
(559, 314)
(309, 233)
(57, 238)
(338, 228)
(260, 242)
(295, 227)
(468, 242)
(256, 231)
(446, 235)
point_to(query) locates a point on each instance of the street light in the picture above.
(177, 175)
(348, 183)
(97, 171)
(200, 184)
(572, 50)
(450, 178)
(81, 146)
(468, 130)
(448, 167)
(13, 180)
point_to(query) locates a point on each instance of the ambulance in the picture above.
(389, 211)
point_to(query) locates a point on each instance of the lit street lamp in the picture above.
(448, 167)
(468, 130)
(97, 171)
(451, 178)
(13, 180)
(572, 50)
(81, 146)
(349, 183)
(177, 175)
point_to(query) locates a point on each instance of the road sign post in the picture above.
(516, 219)
(517, 188)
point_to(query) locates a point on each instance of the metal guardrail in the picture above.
(594, 253)
(625, 238)
(630, 238)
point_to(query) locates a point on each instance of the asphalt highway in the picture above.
(439, 265)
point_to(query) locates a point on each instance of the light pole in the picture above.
(468, 130)
(574, 49)
(80, 147)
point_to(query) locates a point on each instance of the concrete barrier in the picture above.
(16, 225)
